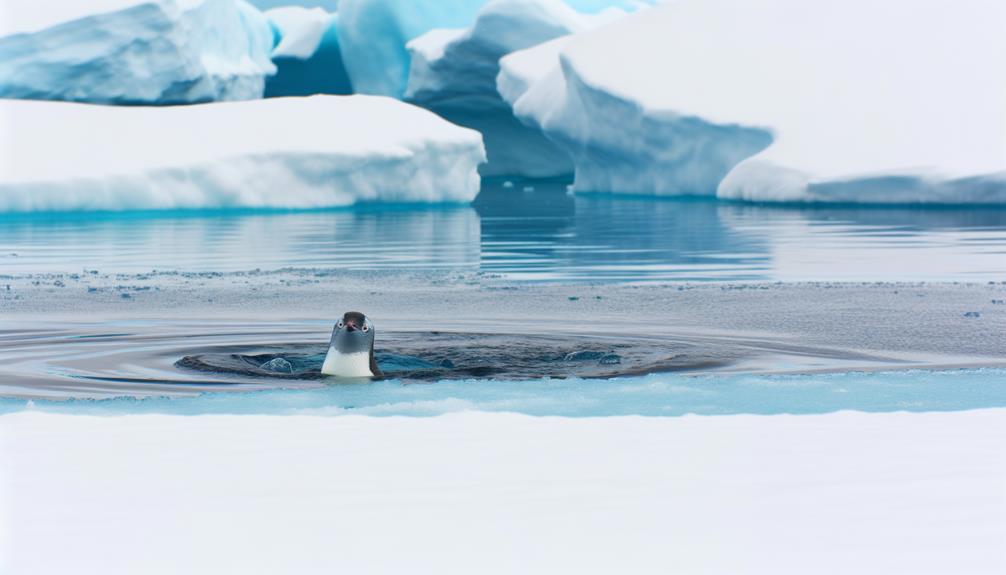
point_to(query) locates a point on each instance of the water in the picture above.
(220, 359)
(545, 235)
(653, 395)
(146, 358)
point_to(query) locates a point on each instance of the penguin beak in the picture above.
(351, 326)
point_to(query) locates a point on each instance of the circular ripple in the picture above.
(439, 355)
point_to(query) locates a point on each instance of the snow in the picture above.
(313, 152)
(453, 73)
(779, 100)
(503, 493)
(375, 34)
(308, 57)
(134, 51)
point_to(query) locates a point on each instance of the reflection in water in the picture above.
(550, 234)
(876, 243)
(542, 234)
(446, 238)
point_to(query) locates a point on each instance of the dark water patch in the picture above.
(433, 356)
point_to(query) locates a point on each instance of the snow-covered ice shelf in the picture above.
(323, 151)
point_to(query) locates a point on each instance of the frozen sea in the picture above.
(531, 300)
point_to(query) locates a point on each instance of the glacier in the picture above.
(832, 101)
(307, 55)
(286, 153)
(453, 73)
(134, 51)
(375, 34)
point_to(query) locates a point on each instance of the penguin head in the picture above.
(354, 333)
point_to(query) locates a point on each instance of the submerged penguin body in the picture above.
(351, 349)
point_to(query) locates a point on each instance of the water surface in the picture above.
(542, 234)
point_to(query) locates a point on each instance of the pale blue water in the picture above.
(544, 235)
(653, 395)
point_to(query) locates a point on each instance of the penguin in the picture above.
(351, 349)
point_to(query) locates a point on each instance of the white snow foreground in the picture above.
(375, 34)
(453, 73)
(134, 51)
(779, 100)
(502, 493)
(313, 152)
(308, 56)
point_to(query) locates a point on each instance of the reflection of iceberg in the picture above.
(134, 51)
(874, 243)
(434, 238)
(549, 235)
(322, 151)
(779, 100)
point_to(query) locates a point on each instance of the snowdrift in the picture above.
(845, 492)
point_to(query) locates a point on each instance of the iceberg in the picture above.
(288, 153)
(307, 54)
(778, 100)
(453, 73)
(134, 51)
(329, 5)
(375, 34)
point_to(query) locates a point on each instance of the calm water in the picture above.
(536, 235)
(524, 233)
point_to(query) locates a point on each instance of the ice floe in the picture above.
(779, 100)
(313, 152)
(307, 54)
(453, 72)
(134, 51)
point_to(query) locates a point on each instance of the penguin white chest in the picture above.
(347, 364)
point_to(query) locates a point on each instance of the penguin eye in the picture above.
(366, 327)
(341, 324)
